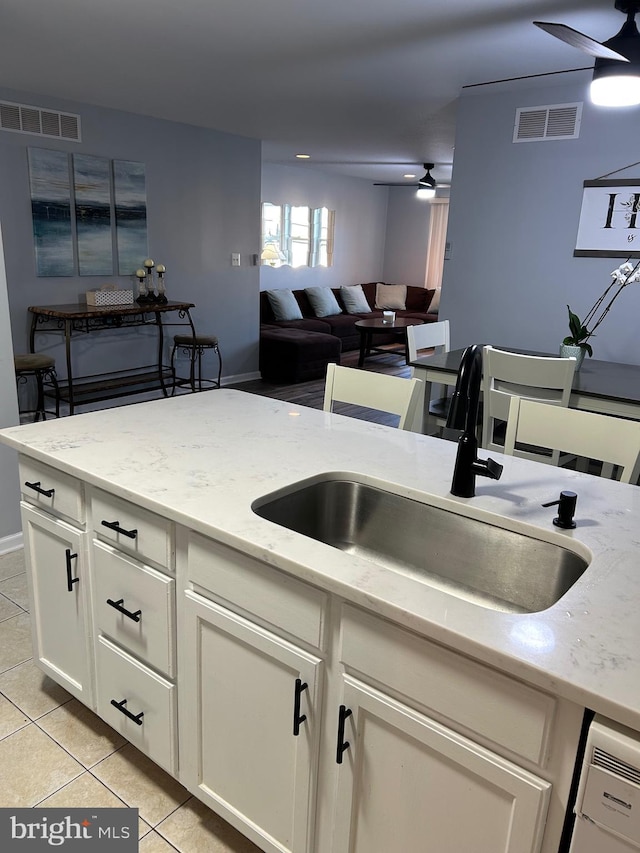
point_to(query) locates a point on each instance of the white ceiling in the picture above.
(357, 82)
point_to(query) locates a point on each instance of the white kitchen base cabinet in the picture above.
(55, 554)
(408, 783)
(249, 730)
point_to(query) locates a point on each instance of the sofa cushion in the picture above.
(284, 305)
(391, 297)
(323, 301)
(355, 302)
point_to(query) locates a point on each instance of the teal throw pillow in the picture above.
(354, 299)
(284, 305)
(323, 301)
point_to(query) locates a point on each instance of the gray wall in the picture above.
(203, 196)
(405, 257)
(361, 216)
(9, 506)
(514, 218)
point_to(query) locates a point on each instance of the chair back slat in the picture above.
(392, 394)
(586, 434)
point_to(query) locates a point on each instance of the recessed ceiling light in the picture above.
(408, 176)
(303, 156)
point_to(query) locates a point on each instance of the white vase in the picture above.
(568, 351)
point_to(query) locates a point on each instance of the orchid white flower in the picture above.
(582, 330)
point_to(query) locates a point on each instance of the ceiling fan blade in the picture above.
(579, 40)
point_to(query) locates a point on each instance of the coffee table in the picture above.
(369, 328)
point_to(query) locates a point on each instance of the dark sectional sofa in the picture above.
(297, 350)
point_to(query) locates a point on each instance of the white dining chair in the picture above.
(505, 374)
(431, 339)
(380, 391)
(613, 441)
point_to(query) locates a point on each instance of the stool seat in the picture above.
(33, 361)
(194, 346)
(195, 340)
(43, 369)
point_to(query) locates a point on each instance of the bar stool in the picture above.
(195, 346)
(43, 369)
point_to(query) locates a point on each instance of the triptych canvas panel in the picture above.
(86, 212)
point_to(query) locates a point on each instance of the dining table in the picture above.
(607, 387)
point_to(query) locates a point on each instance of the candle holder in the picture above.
(142, 297)
(162, 295)
(149, 264)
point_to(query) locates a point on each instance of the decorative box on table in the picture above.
(109, 294)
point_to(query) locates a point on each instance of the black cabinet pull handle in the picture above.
(137, 718)
(298, 718)
(118, 606)
(70, 579)
(343, 744)
(115, 525)
(48, 493)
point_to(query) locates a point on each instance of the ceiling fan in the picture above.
(426, 185)
(616, 73)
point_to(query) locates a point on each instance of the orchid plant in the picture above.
(582, 330)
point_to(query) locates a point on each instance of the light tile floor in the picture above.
(56, 752)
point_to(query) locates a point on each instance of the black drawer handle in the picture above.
(115, 525)
(48, 493)
(342, 743)
(137, 718)
(70, 579)
(118, 606)
(298, 718)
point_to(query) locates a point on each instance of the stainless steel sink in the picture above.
(479, 561)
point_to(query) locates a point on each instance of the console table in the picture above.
(80, 319)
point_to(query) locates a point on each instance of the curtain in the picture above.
(436, 242)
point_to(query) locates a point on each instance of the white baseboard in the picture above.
(11, 543)
(240, 377)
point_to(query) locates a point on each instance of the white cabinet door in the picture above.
(55, 552)
(249, 730)
(407, 783)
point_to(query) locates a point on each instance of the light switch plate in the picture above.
(235, 259)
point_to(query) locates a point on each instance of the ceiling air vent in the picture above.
(22, 118)
(540, 124)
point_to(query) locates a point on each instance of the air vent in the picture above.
(22, 118)
(541, 124)
(615, 765)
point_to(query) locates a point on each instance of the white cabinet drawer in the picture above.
(51, 490)
(134, 605)
(130, 528)
(147, 713)
(508, 713)
(250, 586)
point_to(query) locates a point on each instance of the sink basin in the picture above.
(482, 562)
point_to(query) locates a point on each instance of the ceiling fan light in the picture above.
(619, 90)
(426, 192)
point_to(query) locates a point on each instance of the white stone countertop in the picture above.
(202, 459)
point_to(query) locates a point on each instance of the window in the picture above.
(297, 235)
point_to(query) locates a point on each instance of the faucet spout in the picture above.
(463, 415)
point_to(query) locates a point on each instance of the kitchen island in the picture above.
(381, 670)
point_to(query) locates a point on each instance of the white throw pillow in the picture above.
(323, 301)
(434, 305)
(354, 299)
(391, 297)
(284, 305)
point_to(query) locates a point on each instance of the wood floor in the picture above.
(312, 393)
